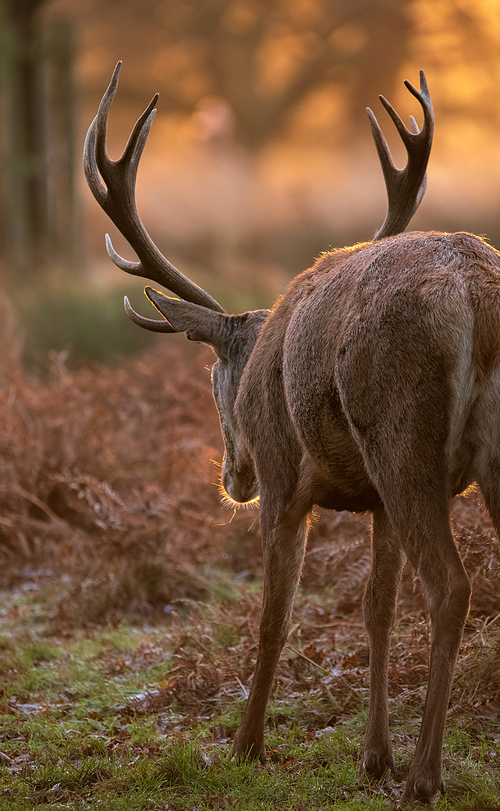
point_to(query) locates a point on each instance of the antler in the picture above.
(405, 187)
(117, 199)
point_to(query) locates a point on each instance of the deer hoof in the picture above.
(249, 754)
(244, 749)
(422, 791)
(376, 765)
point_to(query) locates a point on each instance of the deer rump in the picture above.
(385, 378)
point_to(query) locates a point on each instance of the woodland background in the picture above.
(260, 156)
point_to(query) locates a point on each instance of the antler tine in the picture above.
(101, 156)
(95, 157)
(152, 324)
(405, 187)
(95, 183)
(116, 196)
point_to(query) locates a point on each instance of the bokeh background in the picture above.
(260, 156)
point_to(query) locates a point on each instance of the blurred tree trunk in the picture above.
(360, 44)
(63, 229)
(38, 199)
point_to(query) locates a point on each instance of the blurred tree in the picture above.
(263, 57)
(460, 42)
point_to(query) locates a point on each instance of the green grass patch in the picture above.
(102, 718)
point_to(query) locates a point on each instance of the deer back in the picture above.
(404, 332)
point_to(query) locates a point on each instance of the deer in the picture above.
(372, 385)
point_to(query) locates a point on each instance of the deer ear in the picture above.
(199, 323)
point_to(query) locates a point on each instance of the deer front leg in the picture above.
(379, 605)
(283, 540)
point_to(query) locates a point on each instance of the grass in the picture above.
(64, 315)
(114, 718)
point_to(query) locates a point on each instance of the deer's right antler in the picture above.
(117, 199)
(405, 187)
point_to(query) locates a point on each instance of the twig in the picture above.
(20, 491)
(340, 621)
(243, 688)
(488, 622)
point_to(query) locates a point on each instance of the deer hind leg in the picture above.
(487, 475)
(447, 589)
(396, 394)
(283, 540)
(419, 517)
(491, 492)
(379, 607)
(418, 508)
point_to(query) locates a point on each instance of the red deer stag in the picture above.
(374, 384)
